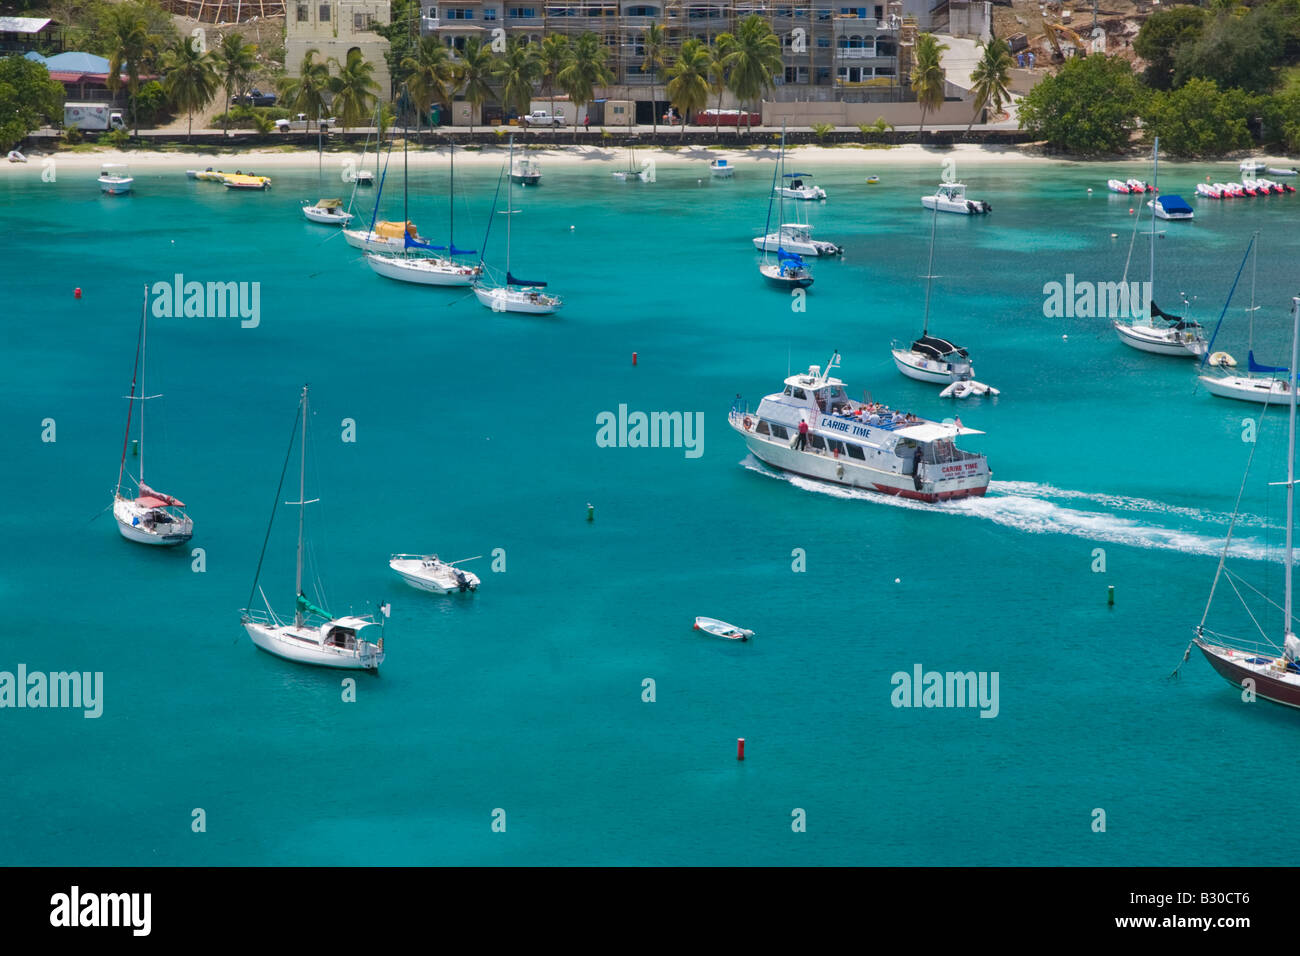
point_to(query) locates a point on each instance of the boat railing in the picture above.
(264, 618)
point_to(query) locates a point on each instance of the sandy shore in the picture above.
(265, 161)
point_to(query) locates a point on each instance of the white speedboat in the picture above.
(148, 517)
(1118, 186)
(384, 237)
(797, 188)
(329, 212)
(859, 444)
(514, 295)
(115, 179)
(951, 197)
(796, 237)
(721, 169)
(525, 172)
(1171, 207)
(428, 573)
(711, 625)
(314, 636)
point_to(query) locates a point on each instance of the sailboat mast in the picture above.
(1290, 461)
(776, 172)
(406, 216)
(144, 394)
(1254, 262)
(451, 204)
(302, 510)
(510, 208)
(130, 403)
(929, 272)
(1155, 176)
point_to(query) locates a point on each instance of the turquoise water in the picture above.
(476, 431)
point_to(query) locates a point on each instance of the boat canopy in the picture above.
(351, 622)
(391, 230)
(798, 175)
(329, 203)
(306, 607)
(410, 242)
(156, 499)
(1173, 203)
(1256, 367)
(511, 280)
(934, 431)
(936, 348)
(1177, 320)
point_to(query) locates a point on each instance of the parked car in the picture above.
(254, 97)
(301, 122)
(543, 118)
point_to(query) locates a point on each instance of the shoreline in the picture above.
(261, 160)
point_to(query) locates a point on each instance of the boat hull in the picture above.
(1234, 666)
(411, 572)
(721, 172)
(968, 207)
(774, 241)
(515, 300)
(315, 214)
(127, 516)
(116, 187)
(421, 271)
(921, 369)
(526, 179)
(1265, 391)
(772, 275)
(1147, 339)
(369, 242)
(843, 471)
(298, 645)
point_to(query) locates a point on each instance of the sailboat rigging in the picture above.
(789, 270)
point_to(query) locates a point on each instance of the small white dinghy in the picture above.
(330, 212)
(718, 628)
(968, 387)
(16, 157)
(428, 573)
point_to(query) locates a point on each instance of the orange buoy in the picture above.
(740, 748)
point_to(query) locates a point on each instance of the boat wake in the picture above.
(1044, 509)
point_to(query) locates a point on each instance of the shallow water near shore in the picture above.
(476, 432)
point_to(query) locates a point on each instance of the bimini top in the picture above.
(1172, 203)
(353, 623)
(934, 431)
(1177, 321)
(936, 348)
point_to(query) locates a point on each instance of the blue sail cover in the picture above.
(796, 175)
(462, 252)
(511, 280)
(413, 243)
(1256, 367)
(791, 257)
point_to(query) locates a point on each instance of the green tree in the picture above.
(754, 61)
(403, 35)
(1090, 106)
(130, 44)
(720, 56)
(190, 78)
(355, 90)
(430, 76)
(1242, 52)
(519, 71)
(475, 68)
(655, 44)
(29, 99)
(307, 92)
(587, 68)
(236, 60)
(1159, 38)
(1197, 120)
(688, 80)
(929, 79)
(552, 59)
(991, 76)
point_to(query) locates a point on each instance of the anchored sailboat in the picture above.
(1179, 336)
(150, 517)
(413, 266)
(515, 295)
(384, 235)
(789, 270)
(314, 636)
(1270, 669)
(645, 172)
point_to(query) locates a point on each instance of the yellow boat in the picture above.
(245, 181)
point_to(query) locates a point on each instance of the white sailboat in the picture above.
(413, 265)
(644, 173)
(384, 235)
(1270, 668)
(1267, 389)
(314, 636)
(148, 517)
(789, 270)
(515, 294)
(936, 360)
(1179, 336)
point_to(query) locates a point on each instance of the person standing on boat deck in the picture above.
(916, 467)
(801, 440)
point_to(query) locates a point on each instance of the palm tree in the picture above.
(688, 79)
(306, 92)
(354, 89)
(554, 57)
(431, 75)
(720, 55)
(755, 59)
(519, 70)
(474, 70)
(990, 77)
(191, 78)
(130, 43)
(586, 69)
(236, 60)
(656, 46)
(928, 75)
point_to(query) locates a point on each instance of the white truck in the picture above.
(92, 116)
(542, 118)
(301, 122)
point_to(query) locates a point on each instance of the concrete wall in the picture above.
(951, 113)
(330, 27)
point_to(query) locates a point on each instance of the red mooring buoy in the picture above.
(76, 293)
(633, 358)
(740, 748)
